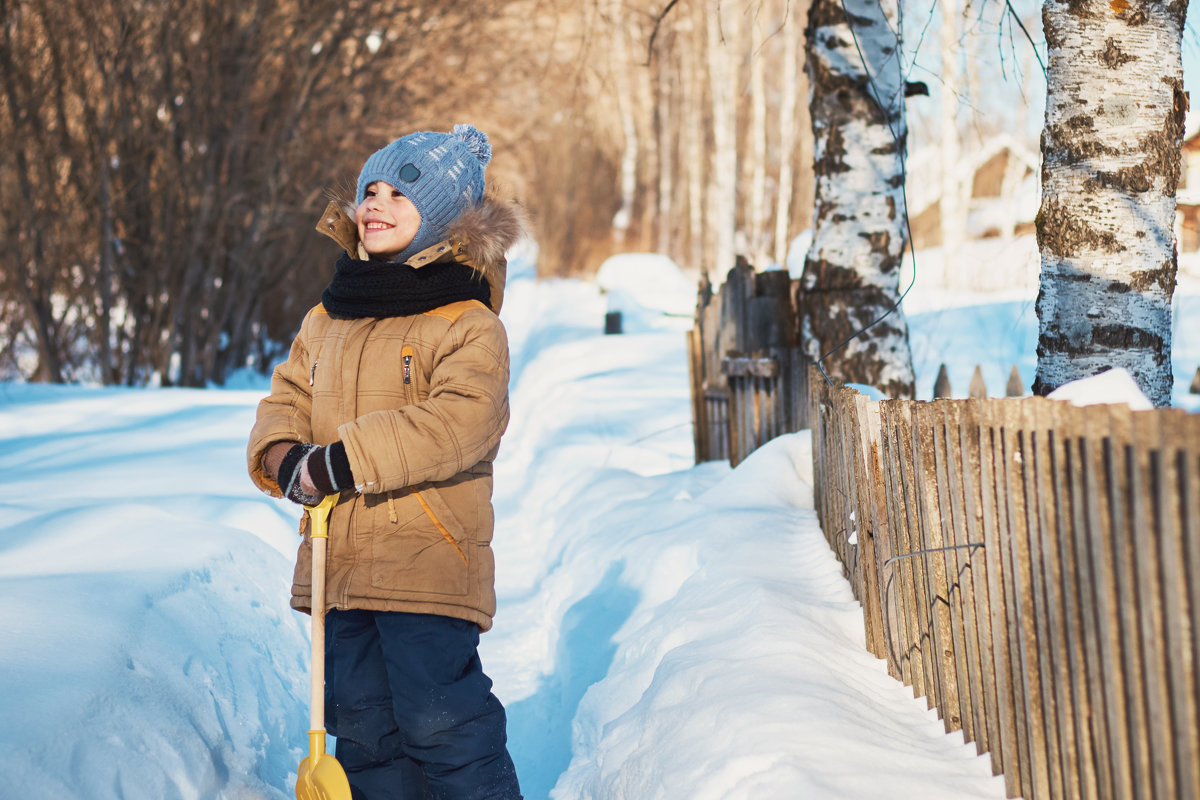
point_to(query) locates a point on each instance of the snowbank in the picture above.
(665, 630)
(149, 650)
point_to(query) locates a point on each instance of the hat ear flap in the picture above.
(475, 140)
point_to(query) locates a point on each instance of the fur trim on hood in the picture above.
(479, 238)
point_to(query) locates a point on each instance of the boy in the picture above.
(394, 397)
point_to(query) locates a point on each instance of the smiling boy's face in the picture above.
(387, 220)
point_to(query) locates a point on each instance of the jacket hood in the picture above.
(479, 238)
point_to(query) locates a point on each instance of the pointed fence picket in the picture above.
(1033, 570)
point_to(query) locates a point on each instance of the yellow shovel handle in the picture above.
(319, 516)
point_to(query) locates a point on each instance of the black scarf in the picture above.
(387, 289)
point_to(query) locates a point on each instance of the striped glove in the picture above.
(291, 471)
(328, 469)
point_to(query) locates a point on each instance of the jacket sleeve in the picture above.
(285, 415)
(458, 425)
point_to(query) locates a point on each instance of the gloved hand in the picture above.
(308, 472)
(328, 468)
(290, 473)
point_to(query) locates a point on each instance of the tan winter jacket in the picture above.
(420, 402)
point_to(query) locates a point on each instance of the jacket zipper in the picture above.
(312, 375)
(410, 388)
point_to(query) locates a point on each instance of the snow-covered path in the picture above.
(665, 631)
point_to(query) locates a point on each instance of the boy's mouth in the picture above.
(377, 226)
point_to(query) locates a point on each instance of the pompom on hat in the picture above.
(441, 173)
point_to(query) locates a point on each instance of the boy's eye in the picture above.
(396, 193)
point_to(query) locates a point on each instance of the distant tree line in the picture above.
(164, 163)
(694, 112)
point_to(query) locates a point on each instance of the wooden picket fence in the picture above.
(1033, 570)
(749, 378)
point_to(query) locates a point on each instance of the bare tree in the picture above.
(723, 28)
(166, 163)
(788, 124)
(1110, 155)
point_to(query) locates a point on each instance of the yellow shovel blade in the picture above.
(320, 776)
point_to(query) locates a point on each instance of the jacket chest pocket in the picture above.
(389, 376)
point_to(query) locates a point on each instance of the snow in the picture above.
(1113, 386)
(665, 630)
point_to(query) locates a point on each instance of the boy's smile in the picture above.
(387, 220)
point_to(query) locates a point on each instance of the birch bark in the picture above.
(1110, 166)
(851, 274)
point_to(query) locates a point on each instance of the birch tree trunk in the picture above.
(851, 274)
(1110, 166)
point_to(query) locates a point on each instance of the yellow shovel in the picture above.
(320, 776)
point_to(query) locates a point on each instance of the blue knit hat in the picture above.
(441, 173)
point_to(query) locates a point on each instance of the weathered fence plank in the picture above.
(995, 540)
(1187, 706)
(1072, 677)
(957, 559)
(884, 534)
(1100, 491)
(922, 579)
(1125, 506)
(979, 609)
(1022, 620)
(1045, 579)
(1148, 529)
(867, 524)
(909, 601)
(925, 423)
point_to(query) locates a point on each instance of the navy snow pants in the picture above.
(412, 710)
